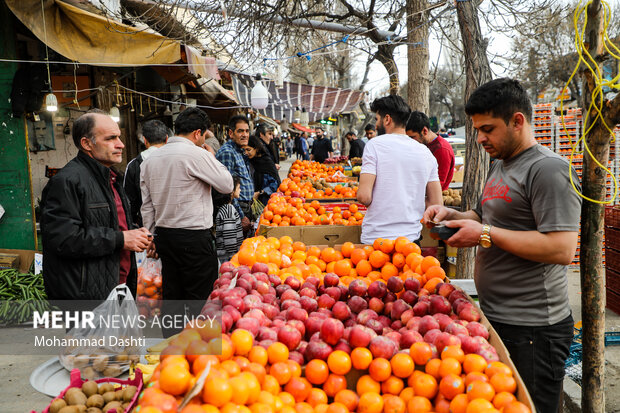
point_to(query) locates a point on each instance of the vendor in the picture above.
(526, 225)
(398, 179)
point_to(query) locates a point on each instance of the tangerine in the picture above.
(501, 399)
(480, 390)
(174, 379)
(334, 384)
(451, 385)
(474, 362)
(339, 362)
(367, 384)
(370, 402)
(380, 369)
(348, 398)
(419, 404)
(425, 385)
(217, 392)
(361, 358)
(503, 382)
(421, 352)
(317, 371)
(402, 365)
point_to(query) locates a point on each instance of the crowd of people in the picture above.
(190, 205)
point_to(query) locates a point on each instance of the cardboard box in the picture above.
(9, 261)
(316, 234)
(425, 238)
(26, 258)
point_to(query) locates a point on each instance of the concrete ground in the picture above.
(17, 396)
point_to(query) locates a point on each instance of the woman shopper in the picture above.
(264, 172)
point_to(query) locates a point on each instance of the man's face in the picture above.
(201, 138)
(241, 134)
(107, 147)
(497, 138)
(267, 136)
(421, 137)
(350, 137)
(379, 124)
(319, 134)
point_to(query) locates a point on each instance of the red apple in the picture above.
(232, 311)
(234, 301)
(317, 350)
(469, 344)
(341, 311)
(280, 289)
(456, 294)
(252, 302)
(325, 301)
(250, 324)
(245, 284)
(409, 297)
(226, 267)
(358, 288)
(395, 284)
(332, 330)
(343, 346)
(260, 267)
(408, 337)
(266, 333)
(446, 339)
(289, 336)
(458, 304)
(431, 335)
(445, 289)
(333, 292)
(377, 289)
(439, 304)
(476, 329)
(227, 322)
(289, 294)
(313, 280)
(307, 292)
(398, 308)
(313, 325)
(428, 323)
(406, 316)
(456, 329)
(443, 320)
(383, 347)
(296, 356)
(366, 315)
(308, 304)
(421, 308)
(331, 280)
(414, 323)
(287, 304)
(357, 304)
(375, 325)
(292, 282)
(274, 280)
(469, 314)
(359, 336)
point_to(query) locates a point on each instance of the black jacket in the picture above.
(81, 239)
(357, 148)
(131, 183)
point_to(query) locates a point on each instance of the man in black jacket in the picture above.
(356, 149)
(86, 221)
(155, 134)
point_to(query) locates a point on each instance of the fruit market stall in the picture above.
(380, 329)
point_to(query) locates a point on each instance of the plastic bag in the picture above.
(108, 349)
(149, 287)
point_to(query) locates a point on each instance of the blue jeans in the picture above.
(539, 353)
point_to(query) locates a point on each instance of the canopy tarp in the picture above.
(319, 101)
(302, 128)
(85, 37)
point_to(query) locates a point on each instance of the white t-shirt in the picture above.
(402, 167)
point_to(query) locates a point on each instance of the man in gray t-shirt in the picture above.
(526, 225)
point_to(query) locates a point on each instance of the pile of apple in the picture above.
(315, 317)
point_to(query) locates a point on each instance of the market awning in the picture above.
(302, 128)
(85, 37)
(319, 101)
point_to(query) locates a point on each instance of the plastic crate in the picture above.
(612, 238)
(612, 259)
(613, 301)
(612, 216)
(612, 280)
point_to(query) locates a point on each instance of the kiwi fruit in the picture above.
(112, 405)
(96, 400)
(76, 397)
(109, 397)
(93, 410)
(70, 409)
(112, 371)
(89, 388)
(89, 373)
(118, 395)
(129, 392)
(100, 362)
(56, 405)
(121, 357)
(106, 387)
(81, 361)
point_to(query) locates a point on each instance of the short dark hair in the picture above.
(418, 121)
(319, 128)
(263, 128)
(392, 105)
(191, 119)
(232, 123)
(155, 131)
(351, 132)
(83, 126)
(370, 126)
(501, 98)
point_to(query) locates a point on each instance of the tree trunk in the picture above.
(417, 56)
(478, 72)
(385, 54)
(591, 263)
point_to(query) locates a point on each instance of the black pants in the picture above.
(539, 353)
(189, 269)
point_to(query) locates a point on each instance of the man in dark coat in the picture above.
(86, 223)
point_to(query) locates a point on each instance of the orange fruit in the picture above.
(451, 385)
(393, 404)
(474, 362)
(402, 365)
(281, 372)
(425, 385)
(475, 376)
(348, 398)
(435, 272)
(501, 399)
(257, 370)
(363, 268)
(253, 385)
(339, 362)
(353, 208)
(480, 390)
(259, 355)
(503, 382)
(361, 358)
(337, 408)
(454, 352)
(393, 385)
(230, 367)
(242, 362)
(497, 367)
(303, 407)
(432, 368)
(201, 362)
(357, 255)
(428, 262)
(217, 392)
(386, 246)
(174, 379)
(240, 390)
(478, 405)
(400, 243)
(419, 404)
(516, 407)
(406, 394)
(370, 402)
(449, 366)
(410, 248)
(421, 353)
(317, 371)
(378, 259)
(347, 248)
(459, 403)
(380, 369)
(388, 270)
(334, 384)
(316, 396)
(343, 267)
(287, 399)
(366, 384)
(277, 352)
(431, 285)
(299, 388)
(398, 260)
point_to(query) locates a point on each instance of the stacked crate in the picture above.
(612, 254)
(544, 125)
(568, 133)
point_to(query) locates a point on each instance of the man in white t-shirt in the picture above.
(399, 177)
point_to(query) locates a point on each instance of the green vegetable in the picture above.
(20, 296)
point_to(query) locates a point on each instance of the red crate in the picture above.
(612, 216)
(612, 238)
(613, 301)
(612, 259)
(612, 280)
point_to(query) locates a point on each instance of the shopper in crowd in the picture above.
(298, 149)
(419, 128)
(305, 153)
(176, 182)
(369, 132)
(290, 145)
(232, 156)
(310, 143)
(398, 179)
(228, 230)
(322, 147)
(264, 171)
(155, 134)
(212, 141)
(86, 223)
(526, 226)
(265, 133)
(356, 146)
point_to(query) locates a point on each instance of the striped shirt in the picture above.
(228, 232)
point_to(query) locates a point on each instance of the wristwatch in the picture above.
(485, 237)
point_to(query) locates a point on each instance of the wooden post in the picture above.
(478, 72)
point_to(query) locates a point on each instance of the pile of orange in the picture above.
(315, 171)
(306, 190)
(286, 211)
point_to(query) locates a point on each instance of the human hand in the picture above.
(468, 234)
(277, 166)
(208, 148)
(246, 224)
(435, 214)
(256, 194)
(151, 251)
(136, 240)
